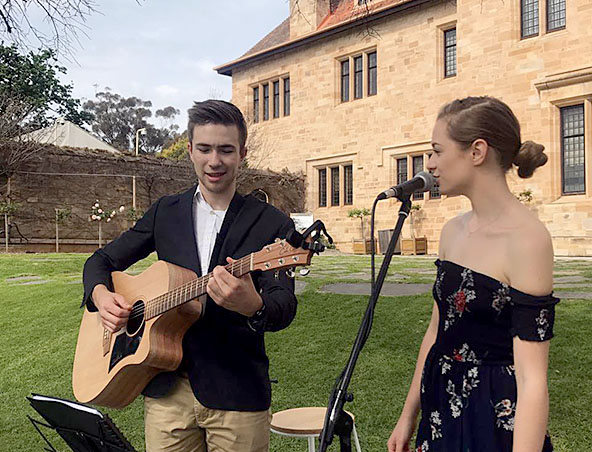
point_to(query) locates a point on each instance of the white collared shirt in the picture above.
(207, 223)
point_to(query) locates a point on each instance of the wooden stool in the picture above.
(305, 423)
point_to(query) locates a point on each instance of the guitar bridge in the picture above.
(106, 341)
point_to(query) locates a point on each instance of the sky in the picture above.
(164, 50)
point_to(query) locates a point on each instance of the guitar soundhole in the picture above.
(127, 344)
(136, 318)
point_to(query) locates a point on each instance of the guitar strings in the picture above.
(187, 288)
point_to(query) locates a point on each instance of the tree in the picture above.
(47, 24)
(31, 80)
(117, 118)
(178, 149)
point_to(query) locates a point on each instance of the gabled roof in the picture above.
(346, 14)
(64, 133)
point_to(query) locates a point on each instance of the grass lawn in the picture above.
(40, 295)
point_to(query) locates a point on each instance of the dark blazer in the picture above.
(223, 356)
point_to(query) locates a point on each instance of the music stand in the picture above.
(82, 427)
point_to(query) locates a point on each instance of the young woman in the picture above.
(481, 374)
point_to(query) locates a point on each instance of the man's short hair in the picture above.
(213, 111)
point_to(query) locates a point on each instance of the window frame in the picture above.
(446, 48)
(562, 138)
(536, 12)
(322, 200)
(372, 72)
(548, 15)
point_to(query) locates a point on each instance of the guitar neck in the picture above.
(193, 289)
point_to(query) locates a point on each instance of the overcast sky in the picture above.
(164, 50)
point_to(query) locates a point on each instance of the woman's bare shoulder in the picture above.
(450, 230)
(530, 256)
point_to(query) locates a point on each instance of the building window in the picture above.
(435, 190)
(335, 186)
(572, 149)
(280, 99)
(372, 73)
(323, 187)
(401, 170)
(355, 84)
(348, 184)
(529, 18)
(266, 102)
(345, 81)
(276, 99)
(256, 104)
(260, 195)
(417, 167)
(450, 53)
(358, 77)
(287, 96)
(555, 15)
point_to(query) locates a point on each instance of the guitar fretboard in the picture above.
(193, 289)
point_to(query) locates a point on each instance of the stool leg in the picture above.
(311, 444)
(356, 440)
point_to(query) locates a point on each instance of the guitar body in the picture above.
(112, 369)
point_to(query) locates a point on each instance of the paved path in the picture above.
(388, 289)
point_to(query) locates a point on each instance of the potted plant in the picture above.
(414, 245)
(363, 245)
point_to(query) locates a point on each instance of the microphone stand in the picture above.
(337, 421)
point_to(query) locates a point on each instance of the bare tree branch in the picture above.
(61, 23)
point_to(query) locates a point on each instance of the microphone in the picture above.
(422, 181)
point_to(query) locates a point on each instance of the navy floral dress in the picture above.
(468, 389)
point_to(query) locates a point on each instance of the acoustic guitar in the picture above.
(111, 369)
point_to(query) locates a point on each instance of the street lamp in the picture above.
(138, 132)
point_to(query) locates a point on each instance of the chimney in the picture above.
(306, 16)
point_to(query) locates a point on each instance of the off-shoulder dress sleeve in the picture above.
(532, 316)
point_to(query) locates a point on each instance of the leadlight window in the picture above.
(287, 96)
(335, 186)
(323, 187)
(256, 104)
(555, 15)
(276, 99)
(572, 149)
(345, 81)
(401, 170)
(435, 190)
(266, 102)
(529, 15)
(417, 167)
(348, 184)
(450, 53)
(358, 77)
(372, 74)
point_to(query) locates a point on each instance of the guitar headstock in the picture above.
(278, 255)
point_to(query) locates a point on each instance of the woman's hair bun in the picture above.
(529, 158)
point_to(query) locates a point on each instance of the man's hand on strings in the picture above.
(232, 293)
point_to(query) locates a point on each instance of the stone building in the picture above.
(349, 90)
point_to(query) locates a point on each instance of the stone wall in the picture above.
(59, 177)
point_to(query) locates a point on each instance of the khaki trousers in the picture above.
(179, 423)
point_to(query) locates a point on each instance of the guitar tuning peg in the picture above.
(277, 240)
(290, 273)
(304, 271)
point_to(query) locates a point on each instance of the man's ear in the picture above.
(479, 151)
(189, 148)
(243, 153)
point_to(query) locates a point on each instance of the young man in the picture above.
(219, 399)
